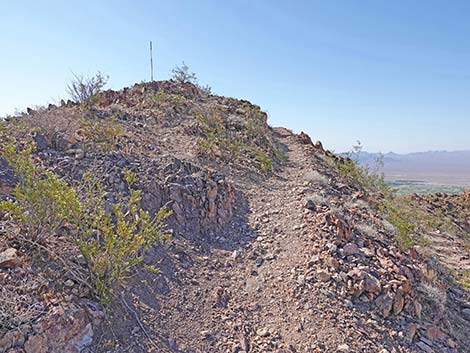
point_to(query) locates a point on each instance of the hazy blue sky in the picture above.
(394, 74)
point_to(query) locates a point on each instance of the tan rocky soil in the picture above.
(267, 285)
(288, 260)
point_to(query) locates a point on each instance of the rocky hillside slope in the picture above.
(273, 248)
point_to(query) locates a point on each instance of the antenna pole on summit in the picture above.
(151, 62)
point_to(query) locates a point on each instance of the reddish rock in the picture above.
(37, 344)
(398, 304)
(11, 339)
(67, 331)
(418, 309)
(434, 333)
(384, 304)
(323, 276)
(372, 284)
(304, 138)
(343, 230)
(413, 253)
(332, 262)
(319, 146)
(351, 249)
(405, 287)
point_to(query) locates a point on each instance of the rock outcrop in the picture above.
(274, 250)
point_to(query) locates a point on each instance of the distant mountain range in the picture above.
(443, 167)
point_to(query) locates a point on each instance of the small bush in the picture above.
(84, 89)
(266, 163)
(434, 295)
(403, 223)
(315, 177)
(205, 90)
(43, 201)
(100, 133)
(218, 138)
(366, 229)
(173, 106)
(464, 279)
(369, 179)
(319, 200)
(59, 128)
(397, 211)
(182, 74)
(213, 128)
(111, 242)
(167, 100)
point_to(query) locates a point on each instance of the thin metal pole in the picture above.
(151, 62)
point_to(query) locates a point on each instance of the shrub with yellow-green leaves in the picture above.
(402, 219)
(218, 139)
(103, 134)
(389, 206)
(408, 221)
(42, 201)
(112, 243)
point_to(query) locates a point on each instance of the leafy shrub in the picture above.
(393, 209)
(111, 242)
(102, 133)
(404, 223)
(265, 161)
(43, 201)
(407, 220)
(228, 143)
(213, 127)
(3, 129)
(170, 103)
(368, 178)
(464, 279)
(315, 177)
(205, 90)
(84, 89)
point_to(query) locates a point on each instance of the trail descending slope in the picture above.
(265, 284)
(274, 248)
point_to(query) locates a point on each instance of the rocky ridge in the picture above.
(291, 259)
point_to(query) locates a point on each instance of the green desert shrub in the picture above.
(404, 222)
(112, 243)
(265, 162)
(42, 201)
(219, 139)
(103, 134)
(167, 101)
(183, 74)
(398, 211)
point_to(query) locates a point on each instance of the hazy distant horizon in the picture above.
(442, 167)
(415, 152)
